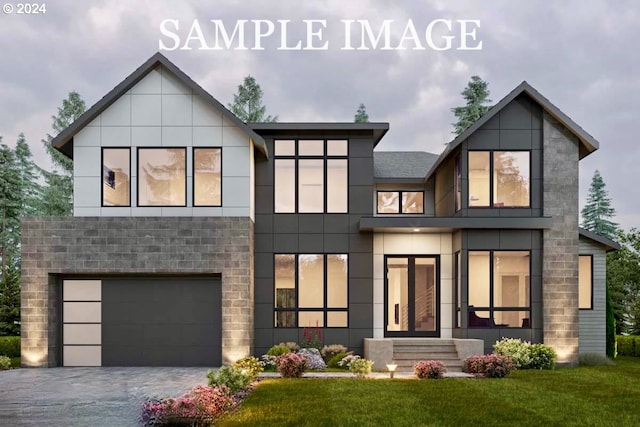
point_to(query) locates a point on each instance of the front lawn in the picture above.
(601, 395)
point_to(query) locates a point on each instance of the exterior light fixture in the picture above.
(391, 367)
(415, 230)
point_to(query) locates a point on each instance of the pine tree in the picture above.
(247, 103)
(597, 212)
(10, 208)
(476, 94)
(30, 187)
(10, 302)
(361, 115)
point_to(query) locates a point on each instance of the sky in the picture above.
(582, 55)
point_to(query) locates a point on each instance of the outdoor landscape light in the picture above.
(392, 368)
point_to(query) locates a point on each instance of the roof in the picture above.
(379, 129)
(402, 165)
(588, 143)
(64, 140)
(609, 244)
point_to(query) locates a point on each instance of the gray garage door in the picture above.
(161, 321)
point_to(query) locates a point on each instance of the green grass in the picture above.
(587, 395)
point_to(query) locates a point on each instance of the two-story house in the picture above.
(198, 239)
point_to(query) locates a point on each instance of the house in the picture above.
(198, 239)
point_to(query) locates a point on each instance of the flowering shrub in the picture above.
(312, 337)
(278, 350)
(251, 366)
(199, 406)
(234, 378)
(292, 346)
(269, 362)
(526, 355)
(314, 360)
(291, 365)
(328, 351)
(489, 365)
(429, 369)
(360, 367)
(334, 362)
(5, 362)
(347, 360)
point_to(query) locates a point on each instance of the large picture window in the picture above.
(585, 281)
(311, 176)
(400, 202)
(162, 179)
(499, 289)
(116, 177)
(207, 177)
(310, 290)
(499, 179)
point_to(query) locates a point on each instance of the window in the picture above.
(499, 179)
(499, 289)
(585, 280)
(458, 320)
(162, 177)
(310, 290)
(207, 177)
(116, 175)
(458, 184)
(400, 202)
(310, 176)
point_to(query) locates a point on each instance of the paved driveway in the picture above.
(87, 396)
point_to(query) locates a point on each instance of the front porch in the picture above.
(405, 352)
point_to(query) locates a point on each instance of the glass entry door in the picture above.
(412, 296)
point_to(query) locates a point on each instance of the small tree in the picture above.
(476, 95)
(10, 302)
(597, 211)
(247, 103)
(361, 115)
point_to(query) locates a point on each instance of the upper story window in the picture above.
(585, 282)
(116, 173)
(311, 176)
(400, 202)
(458, 183)
(162, 176)
(499, 179)
(207, 177)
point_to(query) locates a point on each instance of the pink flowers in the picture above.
(433, 369)
(291, 365)
(489, 365)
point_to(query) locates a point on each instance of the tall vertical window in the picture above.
(207, 177)
(499, 179)
(458, 184)
(499, 289)
(311, 176)
(585, 282)
(311, 289)
(162, 179)
(458, 290)
(116, 177)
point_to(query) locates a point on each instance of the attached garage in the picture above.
(142, 321)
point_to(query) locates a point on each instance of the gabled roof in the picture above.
(64, 140)
(588, 143)
(402, 166)
(609, 244)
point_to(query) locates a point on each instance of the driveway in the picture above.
(87, 396)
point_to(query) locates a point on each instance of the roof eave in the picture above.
(609, 244)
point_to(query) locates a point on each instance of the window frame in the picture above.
(399, 202)
(184, 148)
(492, 308)
(102, 149)
(193, 175)
(457, 182)
(457, 289)
(297, 309)
(590, 308)
(491, 184)
(296, 157)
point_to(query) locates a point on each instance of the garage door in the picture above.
(157, 321)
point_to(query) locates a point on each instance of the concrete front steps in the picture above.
(408, 351)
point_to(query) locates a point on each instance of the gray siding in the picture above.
(444, 191)
(593, 322)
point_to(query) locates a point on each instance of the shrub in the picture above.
(628, 345)
(593, 359)
(278, 350)
(312, 337)
(5, 362)
(292, 346)
(360, 367)
(10, 346)
(291, 365)
(334, 362)
(314, 360)
(328, 351)
(610, 340)
(526, 355)
(251, 365)
(489, 365)
(429, 369)
(345, 362)
(234, 378)
(199, 406)
(542, 357)
(269, 362)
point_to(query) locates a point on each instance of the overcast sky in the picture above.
(582, 55)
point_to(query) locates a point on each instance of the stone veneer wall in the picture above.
(140, 245)
(560, 243)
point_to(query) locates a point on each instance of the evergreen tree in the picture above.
(597, 212)
(10, 303)
(247, 103)
(476, 95)
(30, 187)
(10, 208)
(58, 191)
(361, 115)
(623, 280)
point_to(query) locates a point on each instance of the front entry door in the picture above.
(412, 296)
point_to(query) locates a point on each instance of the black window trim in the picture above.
(193, 176)
(138, 176)
(590, 308)
(102, 177)
(399, 201)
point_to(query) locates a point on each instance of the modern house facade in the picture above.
(198, 239)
